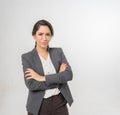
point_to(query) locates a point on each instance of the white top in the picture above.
(49, 69)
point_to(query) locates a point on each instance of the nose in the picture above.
(44, 37)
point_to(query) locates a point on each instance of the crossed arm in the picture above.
(31, 74)
(34, 81)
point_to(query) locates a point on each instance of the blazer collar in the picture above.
(38, 62)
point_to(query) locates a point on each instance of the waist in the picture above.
(53, 97)
(51, 92)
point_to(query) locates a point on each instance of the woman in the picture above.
(46, 73)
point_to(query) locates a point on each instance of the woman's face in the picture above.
(43, 36)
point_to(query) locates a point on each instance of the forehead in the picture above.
(43, 28)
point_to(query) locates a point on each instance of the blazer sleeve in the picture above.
(32, 84)
(62, 77)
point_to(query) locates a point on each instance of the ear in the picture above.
(34, 37)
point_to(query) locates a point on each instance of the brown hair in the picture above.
(42, 23)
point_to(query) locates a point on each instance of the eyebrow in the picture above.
(43, 32)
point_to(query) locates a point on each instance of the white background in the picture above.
(89, 33)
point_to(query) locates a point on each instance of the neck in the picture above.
(41, 50)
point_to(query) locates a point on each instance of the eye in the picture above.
(48, 34)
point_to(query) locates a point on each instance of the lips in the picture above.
(44, 43)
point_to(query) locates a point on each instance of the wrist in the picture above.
(43, 78)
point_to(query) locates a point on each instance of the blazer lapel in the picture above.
(53, 59)
(38, 63)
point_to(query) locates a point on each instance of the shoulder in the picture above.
(28, 54)
(56, 49)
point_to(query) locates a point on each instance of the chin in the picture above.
(44, 46)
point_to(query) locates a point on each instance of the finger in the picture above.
(64, 64)
(29, 78)
(28, 74)
(27, 68)
(65, 67)
(27, 71)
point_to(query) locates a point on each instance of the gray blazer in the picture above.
(59, 80)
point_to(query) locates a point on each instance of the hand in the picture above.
(63, 67)
(31, 74)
